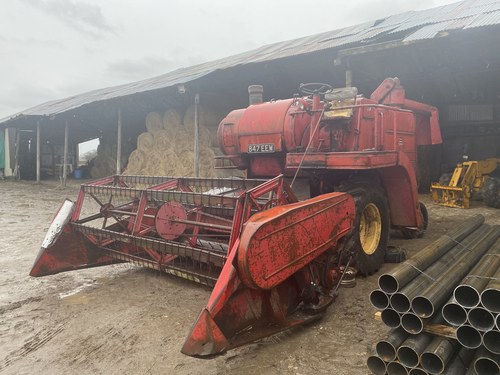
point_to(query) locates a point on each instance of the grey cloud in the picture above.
(31, 42)
(23, 95)
(83, 17)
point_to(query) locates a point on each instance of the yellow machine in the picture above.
(468, 178)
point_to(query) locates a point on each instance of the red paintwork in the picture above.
(255, 244)
(278, 242)
(165, 225)
(381, 135)
(255, 292)
(269, 257)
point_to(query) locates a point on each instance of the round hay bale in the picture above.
(162, 140)
(207, 116)
(154, 122)
(145, 142)
(171, 119)
(188, 119)
(182, 141)
(207, 158)
(186, 157)
(136, 160)
(170, 163)
(205, 137)
(207, 173)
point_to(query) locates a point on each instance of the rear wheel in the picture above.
(491, 192)
(370, 234)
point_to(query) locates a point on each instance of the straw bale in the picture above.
(207, 116)
(186, 157)
(182, 141)
(171, 119)
(136, 160)
(145, 142)
(154, 122)
(154, 163)
(188, 119)
(162, 140)
(204, 136)
(207, 158)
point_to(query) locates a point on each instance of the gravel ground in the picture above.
(126, 320)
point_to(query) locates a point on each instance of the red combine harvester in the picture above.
(273, 261)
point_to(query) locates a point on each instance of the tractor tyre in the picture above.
(491, 192)
(419, 233)
(370, 234)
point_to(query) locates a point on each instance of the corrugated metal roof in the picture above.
(409, 26)
(486, 19)
(432, 30)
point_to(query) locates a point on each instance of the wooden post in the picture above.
(196, 135)
(38, 143)
(119, 144)
(65, 158)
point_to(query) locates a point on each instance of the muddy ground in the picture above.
(126, 320)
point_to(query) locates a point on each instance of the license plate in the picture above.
(261, 148)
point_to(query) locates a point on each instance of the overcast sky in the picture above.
(51, 49)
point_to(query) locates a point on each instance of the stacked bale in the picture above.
(167, 147)
(419, 292)
(105, 161)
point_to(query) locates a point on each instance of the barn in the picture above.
(444, 56)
